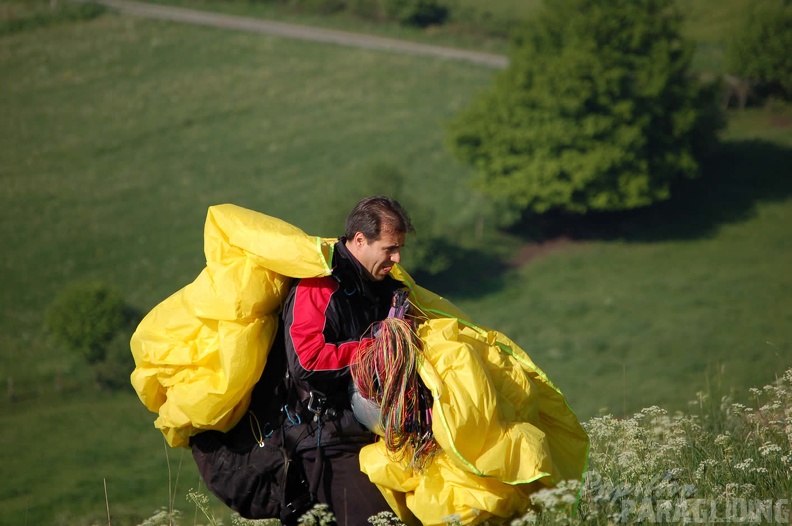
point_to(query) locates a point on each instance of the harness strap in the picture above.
(316, 475)
(314, 402)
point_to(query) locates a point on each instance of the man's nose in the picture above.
(396, 256)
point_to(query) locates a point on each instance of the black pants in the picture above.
(343, 487)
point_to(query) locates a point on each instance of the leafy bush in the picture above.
(41, 13)
(92, 320)
(760, 49)
(596, 111)
(420, 13)
(85, 317)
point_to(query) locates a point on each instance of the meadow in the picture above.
(484, 26)
(119, 132)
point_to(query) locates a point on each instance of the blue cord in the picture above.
(289, 416)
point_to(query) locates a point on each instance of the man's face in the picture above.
(377, 257)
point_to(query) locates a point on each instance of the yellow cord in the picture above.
(258, 436)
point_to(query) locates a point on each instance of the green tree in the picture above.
(761, 49)
(596, 111)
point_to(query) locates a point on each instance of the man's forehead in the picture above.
(391, 238)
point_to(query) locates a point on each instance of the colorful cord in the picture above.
(386, 372)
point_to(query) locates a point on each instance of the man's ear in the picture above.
(359, 239)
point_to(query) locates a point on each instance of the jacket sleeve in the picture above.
(311, 330)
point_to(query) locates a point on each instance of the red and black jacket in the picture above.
(324, 321)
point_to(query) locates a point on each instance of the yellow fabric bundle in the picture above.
(504, 428)
(199, 353)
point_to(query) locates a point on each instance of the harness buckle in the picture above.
(317, 401)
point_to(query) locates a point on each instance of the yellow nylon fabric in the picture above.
(504, 428)
(199, 353)
(443, 491)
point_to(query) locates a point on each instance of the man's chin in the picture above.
(379, 276)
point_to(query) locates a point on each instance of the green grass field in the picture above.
(709, 23)
(119, 132)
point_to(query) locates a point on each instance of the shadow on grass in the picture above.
(738, 176)
(471, 273)
(735, 178)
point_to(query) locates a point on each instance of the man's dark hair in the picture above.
(373, 215)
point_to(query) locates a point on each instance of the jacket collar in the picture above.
(347, 269)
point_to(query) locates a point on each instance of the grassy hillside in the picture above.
(119, 132)
(484, 26)
(59, 453)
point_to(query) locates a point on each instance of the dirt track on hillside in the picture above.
(314, 34)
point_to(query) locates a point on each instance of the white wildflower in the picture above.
(564, 494)
(572, 485)
(744, 465)
(528, 518)
(767, 408)
(775, 391)
(628, 460)
(238, 520)
(769, 448)
(731, 490)
(702, 468)
(163, 517)
(568, 498)
(385, 518)
(652, 411)
(545, 499)
(319, 515)
(723, 439)
(665, 488)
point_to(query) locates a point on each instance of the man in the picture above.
(324, 321)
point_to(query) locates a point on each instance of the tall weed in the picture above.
(722, 461)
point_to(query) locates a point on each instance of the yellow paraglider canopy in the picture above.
(504, 428)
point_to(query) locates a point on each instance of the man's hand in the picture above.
(399, 304)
